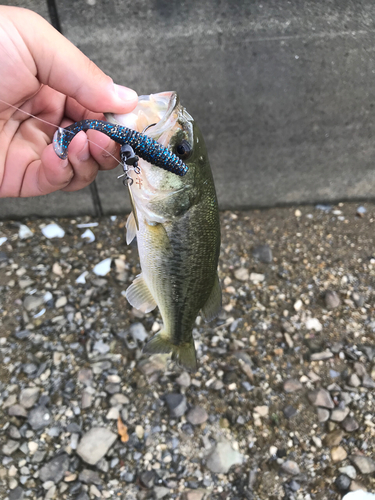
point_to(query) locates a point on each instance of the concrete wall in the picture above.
(283, 91)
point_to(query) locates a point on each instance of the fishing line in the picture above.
(56, 126)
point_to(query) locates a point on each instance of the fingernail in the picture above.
(64, 163)
(126, 94)
(84, 154)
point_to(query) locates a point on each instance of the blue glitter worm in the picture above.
(145, 147)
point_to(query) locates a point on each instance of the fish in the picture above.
(175, 220)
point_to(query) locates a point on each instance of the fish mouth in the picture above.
(154, 115)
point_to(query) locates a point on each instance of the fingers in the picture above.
(65, 68)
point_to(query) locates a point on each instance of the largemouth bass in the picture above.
(176, 222)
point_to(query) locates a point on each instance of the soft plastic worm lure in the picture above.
(145, 147)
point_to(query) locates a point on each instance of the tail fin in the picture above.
(183, 354)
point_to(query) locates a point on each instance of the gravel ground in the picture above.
(282, 406)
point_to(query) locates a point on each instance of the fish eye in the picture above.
(183, 150)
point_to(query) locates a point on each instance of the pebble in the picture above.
(338, 454)
(338, 414)
(263, 253)
(290, 467)
(10, 447)
(183, 380)
(292, 385)
(323, 415)
(334, 438)
(24, 232)
(256, 278)
(358, 299)
(354, 380)
(61, 302)
(222, 457)
(17, 494)
(342, 482)
(32, 302)
(241, 274)
(89, 476)
(350, 424)
(332, 300)
(368, 382)
(103, 267)
(321, 397)
(197, 415)
(39, 417)
(55, 469)
(95, 444)
(17, 411)
(321, 356)
(177, 404)
(349, 470)
(53, 231)
(289, 411)
(147, 478)
(364, 464)
(29, 397)
(160, 492)
(193, 495)
(314, 324)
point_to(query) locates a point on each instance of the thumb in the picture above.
(62, 66)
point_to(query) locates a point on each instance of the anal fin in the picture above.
(213, 305)
(139, 295)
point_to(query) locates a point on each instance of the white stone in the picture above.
(88, 235)
(53, 231)
(24, 232)
(256, 278)
(314, 324)
(3, 240)
(103, 267)
(82, 278)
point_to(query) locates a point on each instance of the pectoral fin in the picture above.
(213, 305)
(139, 295)
(131, 228)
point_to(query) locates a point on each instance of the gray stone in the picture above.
(29, 396)
(359, 299)
(89, 476)
(338, 414)
(263, 253)
(16, 494)
(223, 457)
(332, 300)
(39, 417)
(289, 411)
(368, 382)
(176, 404)
(161, 492)
(17, 411)
(350, 424)
(365, 465)
(342, 482)
(32, 302)
(290, 467)
(292, 385)
(354, 380)
(95, 444)
(197, 415)
(321, 397)
(183, 379)
(323, 414)
(13, 432)
(10, 447)
(55, 469)
(147, 478)
(349, 470)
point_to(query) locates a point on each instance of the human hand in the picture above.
(46, 75)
